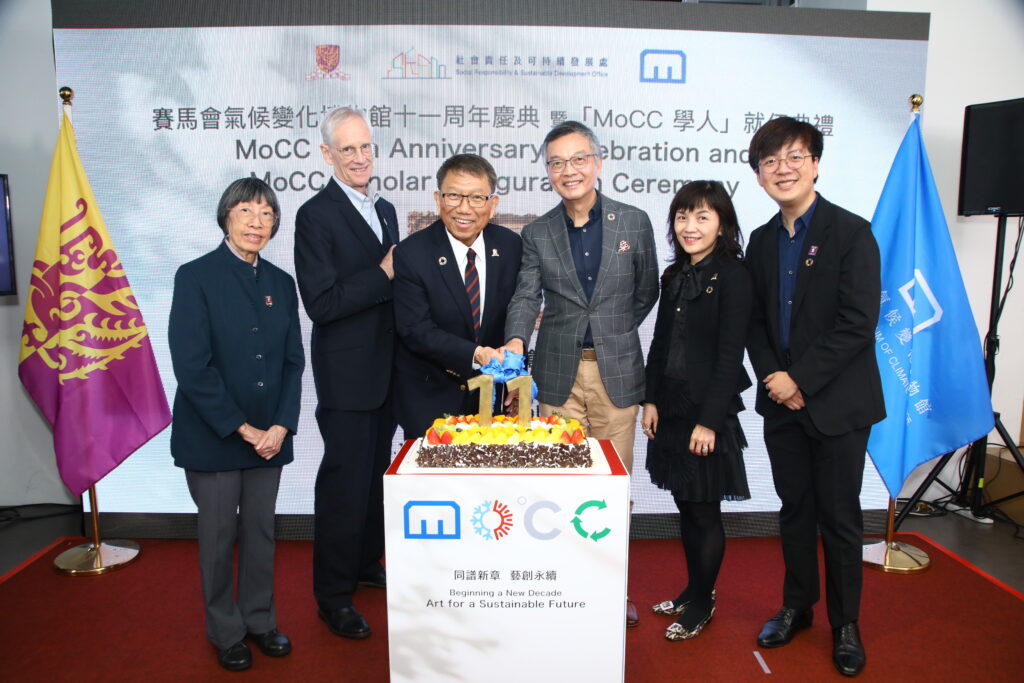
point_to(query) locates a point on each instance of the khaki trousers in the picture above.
(588, 402)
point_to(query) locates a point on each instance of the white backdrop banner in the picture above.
(167, 117)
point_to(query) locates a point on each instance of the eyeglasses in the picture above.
(266, 217)
(577, 161)
(454, 199)
(794, 160)
(349, 153)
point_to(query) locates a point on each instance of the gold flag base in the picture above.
(890, 555)
(89, 559)
(895, 557)
(98, 557)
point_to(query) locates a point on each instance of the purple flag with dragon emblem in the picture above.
(86, 358)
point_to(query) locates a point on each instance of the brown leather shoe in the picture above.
(632, 616)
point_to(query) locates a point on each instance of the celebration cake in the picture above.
(460, 441)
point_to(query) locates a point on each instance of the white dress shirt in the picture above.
(460, 250)
(461, 258)
(364, 205)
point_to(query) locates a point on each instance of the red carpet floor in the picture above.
(144, 623)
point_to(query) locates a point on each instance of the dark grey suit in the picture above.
(625, 292)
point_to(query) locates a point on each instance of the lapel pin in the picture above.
(813, 251)
(714, 277)
(709, 290)
(494, 253)
(610, 216)
(623, 245)
(268, 300)
(809, 262)
(441, 261)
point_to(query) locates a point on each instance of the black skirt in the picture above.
(720, 475)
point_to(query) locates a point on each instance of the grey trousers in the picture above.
(236, 505)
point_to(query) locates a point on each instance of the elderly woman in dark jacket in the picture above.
(694, 378)
(237, 354)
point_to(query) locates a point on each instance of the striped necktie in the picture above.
(473, 290)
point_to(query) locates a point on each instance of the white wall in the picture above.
(975, 55)
(28, 130)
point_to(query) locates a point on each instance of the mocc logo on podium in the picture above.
(492, 519)
(577, 522)
(432, 519)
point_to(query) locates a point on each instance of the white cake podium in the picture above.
(507, 574)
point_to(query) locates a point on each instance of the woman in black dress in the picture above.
(694, 378)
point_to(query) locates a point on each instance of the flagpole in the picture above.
(890, 555)
(98, 557)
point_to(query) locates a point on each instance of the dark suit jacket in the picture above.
(434, 322)
(716, 330)
(835, 311)
(237, 354)
(348, 296)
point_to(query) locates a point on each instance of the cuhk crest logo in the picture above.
(327, 59)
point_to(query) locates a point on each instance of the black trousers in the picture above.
(348, 510)
(818, 478)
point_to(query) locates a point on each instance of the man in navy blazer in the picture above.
(447, 327)
(344, 238)
(817, 280)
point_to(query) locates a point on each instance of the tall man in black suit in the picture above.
(344, 238)
(453, 282)
(817, 277)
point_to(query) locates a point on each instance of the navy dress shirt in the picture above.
(790, 251)
(585, 245)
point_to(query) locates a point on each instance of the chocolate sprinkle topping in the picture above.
(516, 455)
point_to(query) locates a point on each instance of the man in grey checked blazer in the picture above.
(592, 262)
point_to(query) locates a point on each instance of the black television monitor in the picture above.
(992, 163)
(7, 280)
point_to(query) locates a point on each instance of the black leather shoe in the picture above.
(273, 643)
(235, 658)
(781, 628)
(847, 650)
(376, 578)
(346, 622)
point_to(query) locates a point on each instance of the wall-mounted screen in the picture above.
(7, 281)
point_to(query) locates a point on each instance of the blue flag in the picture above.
(927, 345)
